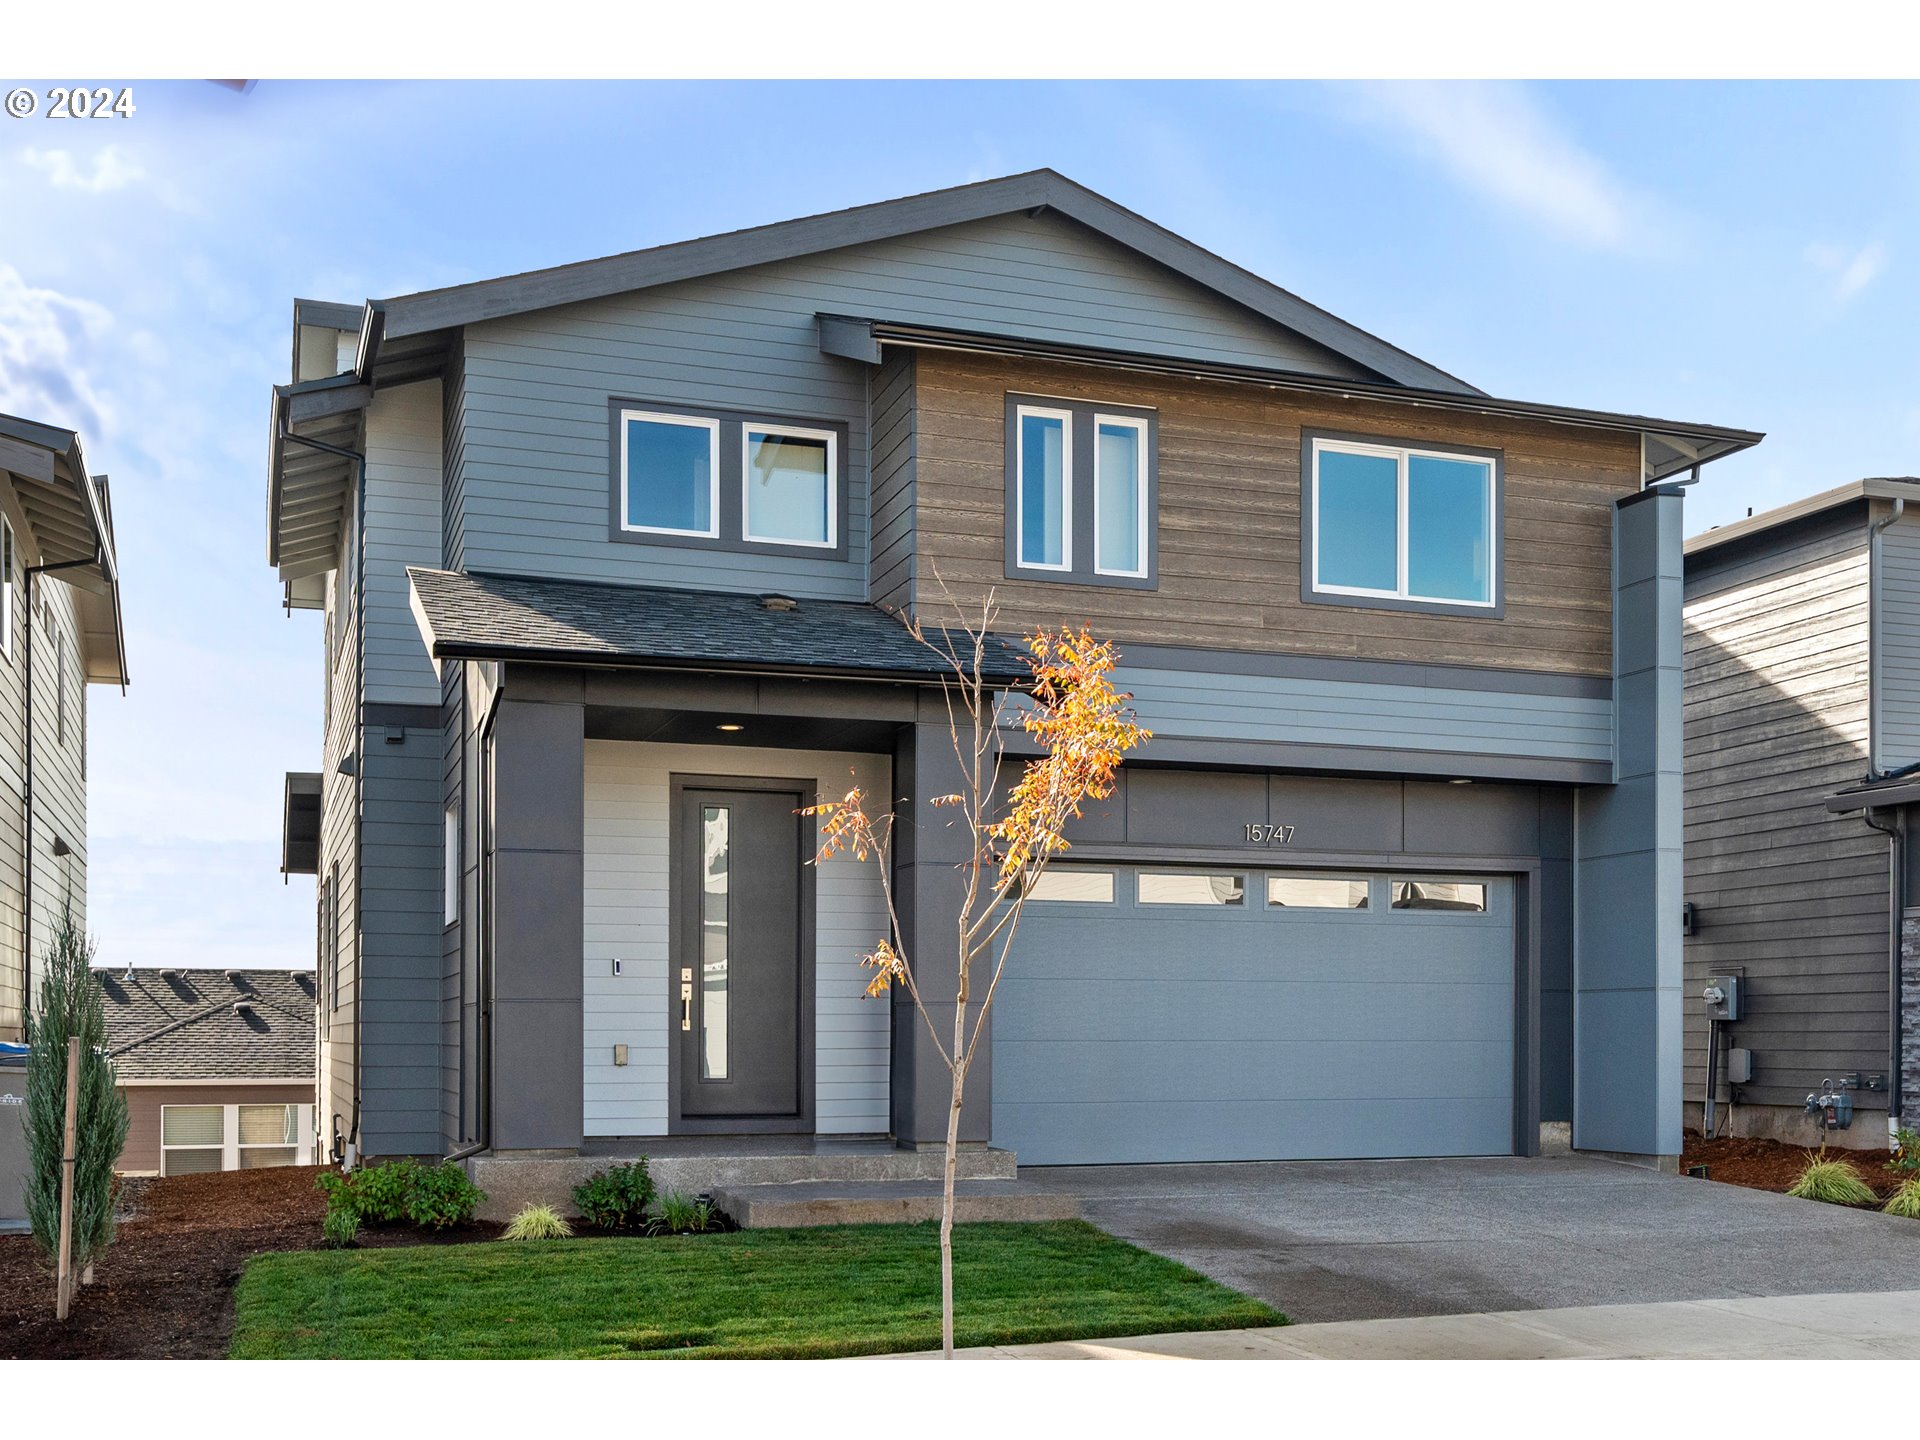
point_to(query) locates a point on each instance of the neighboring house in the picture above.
(60, 632)
(216, 1065)
(1803, 743)
(603, 554)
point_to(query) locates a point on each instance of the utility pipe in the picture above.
(1896, 901)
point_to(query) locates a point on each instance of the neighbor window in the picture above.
(6, 588)
(788, 479)
(1080, 492)
(1439, 895)
(193, 1138)
(1045, 490)
(1083, 886)
(269, 1135)
(1398, 523)
(1191, 888)
(1316, 892)
(670, 473)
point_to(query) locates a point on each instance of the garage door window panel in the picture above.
(1072, 887)
(1191, 888)
(1318, 892)
(1456, 896)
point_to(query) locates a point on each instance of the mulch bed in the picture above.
(164, 1289)
(1774, 1165)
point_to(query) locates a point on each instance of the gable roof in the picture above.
(448, 308)
(510, 617)
(209, 1024)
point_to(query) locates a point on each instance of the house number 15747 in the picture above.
(1258, 834)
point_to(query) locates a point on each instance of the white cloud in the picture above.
(48, 342)
(111, 169)
(1497, 139)
(1852, 270)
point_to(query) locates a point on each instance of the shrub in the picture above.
(441, 1196)
(1906, 1152)
(616, 1198)
(340, 1229)
(537, 1222)
(338, 1188)
(684, 1215)
(1833, 1182)
(1905, 1201)
(382, 1193)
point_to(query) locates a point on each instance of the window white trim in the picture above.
(687, 422)
(1065, 417)
(750, 428)
(230, 1146)
(1139, 427)
(1401, 455)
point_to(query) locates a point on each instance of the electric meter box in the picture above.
(1722, 995)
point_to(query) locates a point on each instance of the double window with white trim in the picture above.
(1081, 492)
(195, 1139)
(729, 480)
(1401, 525)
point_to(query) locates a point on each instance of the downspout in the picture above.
(32, 573)
(359, 462)
(1896, 876)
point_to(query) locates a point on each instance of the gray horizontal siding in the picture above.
(405, 521)
(1898, 700)
(536, 473)
(1788, 895)
(1214, 705)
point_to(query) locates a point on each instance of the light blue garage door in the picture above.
(1166, 1014)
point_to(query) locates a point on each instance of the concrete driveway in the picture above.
(1377, 1239)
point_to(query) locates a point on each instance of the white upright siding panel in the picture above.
(1898, 701)
(628, 792)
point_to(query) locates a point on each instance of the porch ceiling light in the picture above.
(731, 728)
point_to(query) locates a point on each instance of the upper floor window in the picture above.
(6, 588)
(1081, 492)
(1402, 525)
(729, 480)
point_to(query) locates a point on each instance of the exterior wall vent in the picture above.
(779, 603)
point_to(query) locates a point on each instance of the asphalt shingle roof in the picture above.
(184, 1024)
(481, 617)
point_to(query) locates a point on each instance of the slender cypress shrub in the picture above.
(70, 1004)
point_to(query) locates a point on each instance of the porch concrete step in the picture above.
(512, 1181)
(887, 1202)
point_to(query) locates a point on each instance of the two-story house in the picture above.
(605, 555)
(1803, 760)
(60, 632)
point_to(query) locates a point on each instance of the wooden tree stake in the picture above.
(64, 1284)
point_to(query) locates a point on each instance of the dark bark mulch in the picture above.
(164, 1289)
(1775, 1165)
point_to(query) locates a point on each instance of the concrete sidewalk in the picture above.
(1879, 1326)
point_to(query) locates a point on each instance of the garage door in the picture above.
(1165, 1014)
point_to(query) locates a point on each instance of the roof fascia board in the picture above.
(180, 1082)
(1882, 797)
(326, 314)
(30, 462)
(1726, 439)
(1036, 190)
(1876, 488)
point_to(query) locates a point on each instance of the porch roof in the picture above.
(464, 616)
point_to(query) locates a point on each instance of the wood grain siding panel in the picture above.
(1898, 700)
(1786, 894)
(628, 787)
(1230, 544)
(535, 469)
(405, 526)
(453, 452)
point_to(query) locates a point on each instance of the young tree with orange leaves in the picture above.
(1084, 728)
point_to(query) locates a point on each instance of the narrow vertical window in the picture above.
(1045, 500)
(57, 644)
(451, 902)
(1119, 496)
(716, 941)
(332, 919)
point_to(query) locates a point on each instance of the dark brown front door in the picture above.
(737, 970)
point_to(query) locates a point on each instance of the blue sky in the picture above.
(1737, 253)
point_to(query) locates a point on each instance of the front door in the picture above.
(737, 974)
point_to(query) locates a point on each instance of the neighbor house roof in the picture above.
(69, 517)
(1878, 487)
(189, 1025)
(502, 617)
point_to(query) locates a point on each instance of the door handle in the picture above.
(686, 999)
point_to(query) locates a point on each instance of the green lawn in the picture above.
(845, 1290)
